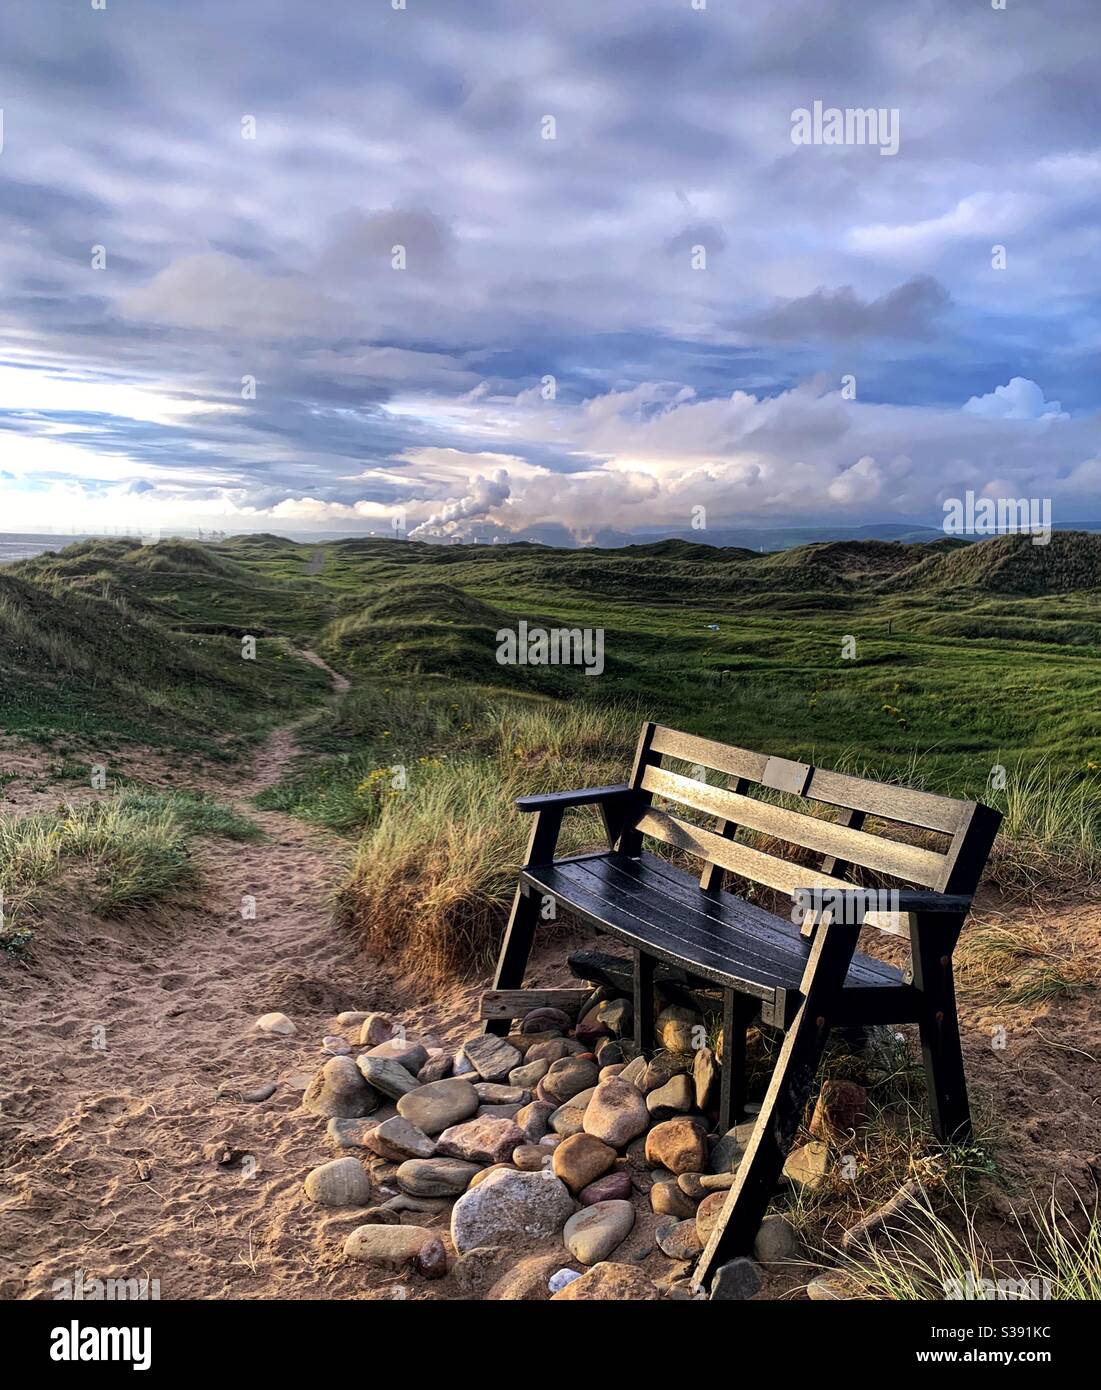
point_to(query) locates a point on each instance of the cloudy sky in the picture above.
(550, 268)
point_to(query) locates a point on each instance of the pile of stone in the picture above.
(557, 1133)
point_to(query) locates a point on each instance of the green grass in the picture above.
(121, 852)
(436, 868)
(86, 661)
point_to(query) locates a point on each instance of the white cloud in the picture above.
(983, 215)
(1019, 399)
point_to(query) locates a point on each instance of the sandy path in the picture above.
(124, 1049)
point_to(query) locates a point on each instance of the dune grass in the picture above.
(121, 852)
(434, 873)
(934, 1251)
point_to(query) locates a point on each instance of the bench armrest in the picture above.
(563, 800)
(917, 900)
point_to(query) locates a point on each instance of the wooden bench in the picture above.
(803, 978)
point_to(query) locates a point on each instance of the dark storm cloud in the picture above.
(907, 311)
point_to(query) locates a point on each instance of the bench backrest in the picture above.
(965, 829)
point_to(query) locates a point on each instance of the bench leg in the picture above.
(738, 1013)
(785, 1101)
(645, 1013)
(940, 1034)
(526, 905)
(515, 949)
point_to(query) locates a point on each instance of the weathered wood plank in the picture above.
(902, 804)
(518, 1003)
(740, 859)
(909, 862)
(721, 757)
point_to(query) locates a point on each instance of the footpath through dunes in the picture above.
(126, 1048)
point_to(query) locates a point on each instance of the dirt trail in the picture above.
(124, 1049)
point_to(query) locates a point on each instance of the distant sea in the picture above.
(16, 547)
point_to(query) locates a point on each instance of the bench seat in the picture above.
(659, 908)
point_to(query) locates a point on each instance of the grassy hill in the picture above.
(86, 649)
(966, 654)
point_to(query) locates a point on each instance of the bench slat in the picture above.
(721, 757)
(910, 862)
(740, 859)
(661, 910)
(676, 949)
(771, 953)
(926, 810)
(731, 911)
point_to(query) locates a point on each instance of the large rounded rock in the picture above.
(615, 1186)
(842, 1107)
(338, 1090)
(777, 1241)
(436, 1177)
(375, 1029)
(698, 1185)
(440, 1104)
(529, 1075)
(634, 1072)
(679, 1145)
(545, 1020)
(481, 1140)
(709, 1213)
(348, 1134)
(553, 1050)
(388, 1247)
(581, 1159)
(396, 1139)
(679, 1029)
(408, 1054)
(676, 1097)
(568, 1078)
(615, 1014)
(495, 1093)
(594, 1232)
(570, 1118)
(387, 1076)
(705, 1078)
(808, 1166)
(678, 1239)
(610, 1282)
(661, 1069)
(533, 1119)
(342, 1182)
(532, 1158)
(436, 1068)
(729, 1149)
(616, 1113)
(667, 1199)
(276, 1023)
(352, 1018)
(736, 1280)
(508, 1206)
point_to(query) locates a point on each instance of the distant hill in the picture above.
(1011, 565)
(84, 649)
